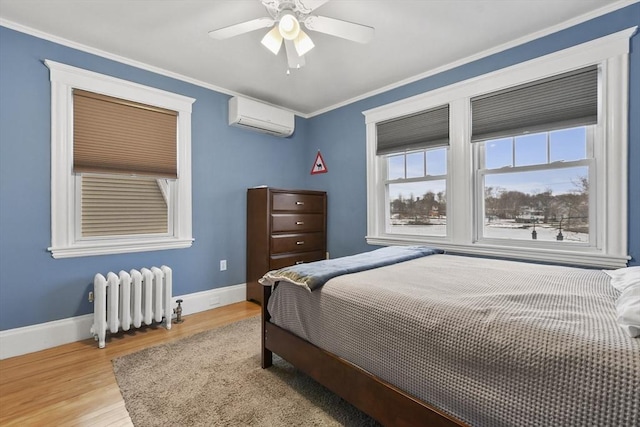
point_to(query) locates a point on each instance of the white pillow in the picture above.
(628, 308)
(624, 277)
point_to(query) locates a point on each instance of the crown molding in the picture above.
(127, 61)
(497, 49)
(132, 62)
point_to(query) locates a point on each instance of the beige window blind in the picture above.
(120, 205)
(112, 135)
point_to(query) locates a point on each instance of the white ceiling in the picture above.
(412, 38)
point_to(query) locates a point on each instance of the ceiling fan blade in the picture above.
(336, 27)
(293, 59)
(308, 6)
(243, 27)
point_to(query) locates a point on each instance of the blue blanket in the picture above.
(315, 274)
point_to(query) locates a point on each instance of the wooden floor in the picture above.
(74, 385)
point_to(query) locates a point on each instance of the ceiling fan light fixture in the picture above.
(288, 26)
(272, 40)
(303, 43)
(285, 22)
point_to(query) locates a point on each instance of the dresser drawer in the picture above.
(297, 222)
(287, 260)
(297, 202)
(297, 242)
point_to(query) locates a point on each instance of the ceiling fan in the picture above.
(286, 18)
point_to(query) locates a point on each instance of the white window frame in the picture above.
(610, 53)
(66, 242)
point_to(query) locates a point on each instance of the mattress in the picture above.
(491, 342)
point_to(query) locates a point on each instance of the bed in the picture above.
(447, 340)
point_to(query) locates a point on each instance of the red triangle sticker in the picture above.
(319, 166)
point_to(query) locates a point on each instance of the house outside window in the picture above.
(121, 160)
(535, 167)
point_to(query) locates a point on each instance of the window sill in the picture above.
(585, 258)
(80, 250)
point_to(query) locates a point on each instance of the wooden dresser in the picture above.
(284, 227)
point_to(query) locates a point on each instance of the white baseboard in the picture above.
(19, 341)
(206, 300)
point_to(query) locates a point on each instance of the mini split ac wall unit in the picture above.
(259, 117)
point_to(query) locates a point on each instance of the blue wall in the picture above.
(36, 288)
(341, 137)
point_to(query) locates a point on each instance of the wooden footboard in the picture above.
(382, 401)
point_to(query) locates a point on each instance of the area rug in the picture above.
(214, 378)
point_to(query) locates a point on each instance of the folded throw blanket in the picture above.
(315, 274)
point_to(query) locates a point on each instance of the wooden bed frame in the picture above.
(382, 401)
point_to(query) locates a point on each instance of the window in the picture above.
(116, 143)
(536, 187)
(415, 148)
(104, 199)
(417, 192)
(531, 184)
(535, 167)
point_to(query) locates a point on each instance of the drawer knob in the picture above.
(299, 262)
(299, 203)
(299, 222)
(300, 242)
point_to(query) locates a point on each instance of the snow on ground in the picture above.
(523, 232)
(499, 230)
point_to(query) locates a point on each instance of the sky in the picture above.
(505, 154)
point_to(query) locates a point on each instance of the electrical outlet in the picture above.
(223, 264)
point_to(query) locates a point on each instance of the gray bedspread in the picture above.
(493, 343)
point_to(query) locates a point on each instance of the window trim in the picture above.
(611, 54)
(64, 243)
